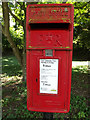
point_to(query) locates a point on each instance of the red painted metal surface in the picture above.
(49, 26)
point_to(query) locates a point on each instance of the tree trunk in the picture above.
(6, 32)
(24, 57)
(24, 50)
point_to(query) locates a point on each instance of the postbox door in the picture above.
(46, 99)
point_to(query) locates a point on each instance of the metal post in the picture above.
(47, 116)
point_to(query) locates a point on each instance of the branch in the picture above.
(6, 31)
(80, 7)
(22, 6)
(5, 16)
(16, 18)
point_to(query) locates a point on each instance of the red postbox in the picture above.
(49, 42)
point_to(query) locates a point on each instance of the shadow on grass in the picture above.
(15, 102)
(10, 66)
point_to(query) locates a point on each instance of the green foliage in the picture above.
(82, 24)
(18, 10)
(78, 109)
(5, 43)
(18, 36)
(80, 69)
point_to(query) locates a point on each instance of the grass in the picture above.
(11, 66)
(15, 93)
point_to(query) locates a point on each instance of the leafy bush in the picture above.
(17, 36)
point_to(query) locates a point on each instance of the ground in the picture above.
(14, 93)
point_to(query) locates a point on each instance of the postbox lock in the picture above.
(48, 52)
(36, 79)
